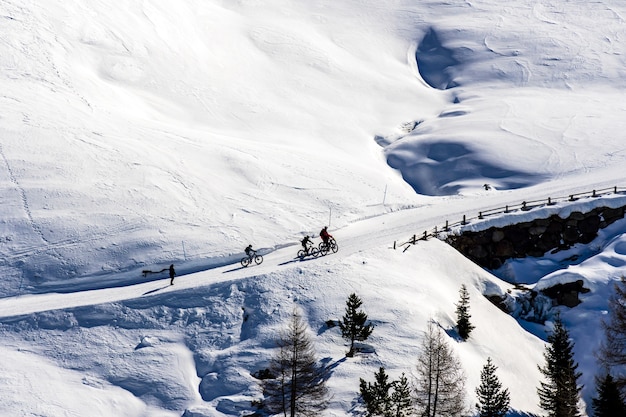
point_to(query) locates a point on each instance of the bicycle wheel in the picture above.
(334, 247)
(258, 259)
(314, 252)
(323, 248)
(245, 261)
(301, 254)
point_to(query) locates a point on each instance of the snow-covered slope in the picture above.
(144, 133)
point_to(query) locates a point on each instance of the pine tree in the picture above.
(376, 396)
(440, 382)
(493, 401)
(384, 398)
(609, 402)
(463, 324)
(559, 395)
(299, 387)
(401, 403)
(613, 349)
(352, 325)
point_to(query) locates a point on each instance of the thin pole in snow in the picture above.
(385, 194)
(330, 213)
(184, 252)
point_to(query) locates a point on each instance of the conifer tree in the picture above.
(613, 349)
(352, 325)
(559, 394)
(609, 402)
(463, 324)
(493, 401)
(401, 403)
(376, 396)
(384, 398)
(299, 386)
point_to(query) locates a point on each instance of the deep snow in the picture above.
(141, 134)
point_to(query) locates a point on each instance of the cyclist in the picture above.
(306, 243)
(249, 251)
(325, 235)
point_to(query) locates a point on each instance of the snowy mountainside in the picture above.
(152, 345)
(141, 134)
(147, 133)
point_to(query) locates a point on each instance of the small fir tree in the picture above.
(463, 324)
(609, 402)
(384, 398)
(493, 401)
(376, 396)
(559, 394)
(352, 325)
(401, 402)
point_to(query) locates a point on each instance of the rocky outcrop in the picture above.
(490, 248)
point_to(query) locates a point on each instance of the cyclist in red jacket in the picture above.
(325, 235)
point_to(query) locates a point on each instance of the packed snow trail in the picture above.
(376, 232)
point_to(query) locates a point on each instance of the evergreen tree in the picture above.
(613, 349)
(493, 401)
(463, 324)
(559, 394)
(440, 382)
(384, 398)
(609, 402)
(376, 396)
(299, 386)
(401, 403)
(353, 325)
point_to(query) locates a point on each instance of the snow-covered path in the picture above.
(377, 232)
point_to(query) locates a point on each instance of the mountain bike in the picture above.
(257, 259)
(331, 247)
(310, 250)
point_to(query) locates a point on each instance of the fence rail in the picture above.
(523, 206)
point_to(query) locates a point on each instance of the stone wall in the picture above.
(491, 247)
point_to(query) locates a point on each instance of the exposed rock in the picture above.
(566, 294)
(492, 247)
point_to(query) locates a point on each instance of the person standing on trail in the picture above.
(172, 274)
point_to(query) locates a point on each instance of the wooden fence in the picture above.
(523, 206)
